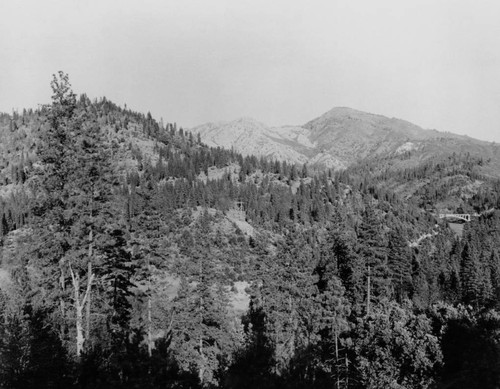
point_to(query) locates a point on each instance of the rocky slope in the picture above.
(250, 137)
(341, 137)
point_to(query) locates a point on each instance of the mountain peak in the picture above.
(248, 120)
(335, 139)
(344, 122)
(346, 113)
(344, 110)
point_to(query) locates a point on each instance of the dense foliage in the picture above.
(135, 256)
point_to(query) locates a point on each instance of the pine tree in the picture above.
(54, 216)
(118, 268)
(471, 276)
(351, 270)
(373, 250)
(333, 311)
(399, 263)
(202, 334)
(73, 206)
(494, 266)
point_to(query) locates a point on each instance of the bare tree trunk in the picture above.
(79, 327)
(80, 339)
(79, 305)
(201, 371)
(346, 372)
(89, 288)
(89, 284)
(89, 270)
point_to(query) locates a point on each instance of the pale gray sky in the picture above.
(433, 62)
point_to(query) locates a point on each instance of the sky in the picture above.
(435, 63)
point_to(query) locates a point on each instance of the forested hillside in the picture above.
(135, 256)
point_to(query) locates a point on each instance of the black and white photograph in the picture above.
(236, 194)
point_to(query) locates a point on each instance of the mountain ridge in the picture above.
(338, 139)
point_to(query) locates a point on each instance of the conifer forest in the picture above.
(135, 256)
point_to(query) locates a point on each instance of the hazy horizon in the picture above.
(435, 64)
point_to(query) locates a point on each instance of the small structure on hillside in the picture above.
(237, 212)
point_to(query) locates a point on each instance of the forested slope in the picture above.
(127, 243)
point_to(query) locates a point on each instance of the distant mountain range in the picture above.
(341, 137)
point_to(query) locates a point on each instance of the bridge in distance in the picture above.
(462, 216)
